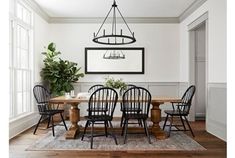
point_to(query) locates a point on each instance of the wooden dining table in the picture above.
(74, 113)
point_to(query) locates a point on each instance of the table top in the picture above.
(63, 99)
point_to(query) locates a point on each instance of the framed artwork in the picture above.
(114, 60)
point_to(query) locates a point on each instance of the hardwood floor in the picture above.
(216, 148)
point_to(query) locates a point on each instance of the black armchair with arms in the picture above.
(42, 97)
(181, 109)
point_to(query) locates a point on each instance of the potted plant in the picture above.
(57, 73)
(116, 84)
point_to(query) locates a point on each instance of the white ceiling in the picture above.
(129, 8)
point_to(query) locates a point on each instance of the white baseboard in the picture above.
(19, 125)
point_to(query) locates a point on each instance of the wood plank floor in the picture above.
(216, 148)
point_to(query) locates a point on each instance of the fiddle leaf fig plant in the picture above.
(57, 73)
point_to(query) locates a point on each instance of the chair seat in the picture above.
(97, 110)
(176, 112)
(129, 109)
(51, 112)
(98, 118)
(135, 116)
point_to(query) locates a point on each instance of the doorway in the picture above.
(198, 66)
(200, 72)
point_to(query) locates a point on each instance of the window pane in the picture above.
(24, 59)
(24, 38)
(18, 58)
(28, 83)
(19, 103)
(11, 92)
(10, 41)
(19, 81)
(19, 11)
(18, 36)
(25, 102)
(25, 81)
(26, 16)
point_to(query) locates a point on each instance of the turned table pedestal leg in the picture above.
(74, 117)
(156, 118)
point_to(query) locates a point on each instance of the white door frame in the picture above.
(192, 51)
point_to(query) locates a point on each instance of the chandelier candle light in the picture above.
(113, 38)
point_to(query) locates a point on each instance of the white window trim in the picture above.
(13, 17)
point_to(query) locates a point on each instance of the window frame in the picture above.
(14, 66)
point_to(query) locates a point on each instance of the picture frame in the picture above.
(114, 60)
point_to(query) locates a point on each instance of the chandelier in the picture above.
(114, 54)
(114, 37)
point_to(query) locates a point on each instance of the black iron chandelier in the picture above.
(114, 38)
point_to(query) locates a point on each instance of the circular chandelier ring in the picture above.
(132, 39)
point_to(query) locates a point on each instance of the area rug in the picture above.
(177, 141)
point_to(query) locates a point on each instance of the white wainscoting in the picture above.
(23, 123)
(216, 122)
(156, 89)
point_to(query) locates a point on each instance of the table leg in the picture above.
(156, 118)
(74, 117)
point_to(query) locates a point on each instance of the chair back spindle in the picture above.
(42, 97)
(187, 99)
(95, 87)
(136, 99)
(104, 101)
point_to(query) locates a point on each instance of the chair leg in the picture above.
(170, 125)
(113, 135)
(37, 125)
(63, 121)
(140, 122)
(92, 128)
(105, 126)
(165, 122)
(125, 134)
(84, 132)
(189, 126)
(52, 123)
(182, 122)
(123, 127)
(146, 130)
(48, 123)
(121, 123)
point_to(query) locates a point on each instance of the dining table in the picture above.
(74, 113)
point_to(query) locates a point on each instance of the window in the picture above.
(20, 61)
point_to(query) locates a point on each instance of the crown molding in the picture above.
(49, 19)
(37, 9)
(109, 20)
(194, 6)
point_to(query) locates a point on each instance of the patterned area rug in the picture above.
(177, 141)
